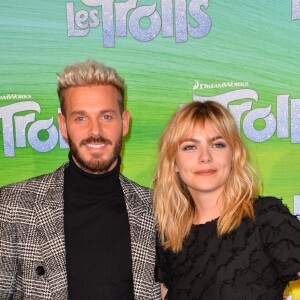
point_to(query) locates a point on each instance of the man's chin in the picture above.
(98, 166)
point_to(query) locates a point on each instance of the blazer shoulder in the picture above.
(56, 175)
(131, 188)
(134, 186)
(32, 188)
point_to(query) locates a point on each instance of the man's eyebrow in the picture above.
(78, 112)
(107, 111)
(84, 112)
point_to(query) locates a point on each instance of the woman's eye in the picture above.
(188, 147)
(219, 145)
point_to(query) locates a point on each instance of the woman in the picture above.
(217, 238)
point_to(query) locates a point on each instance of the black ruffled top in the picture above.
(255, 261)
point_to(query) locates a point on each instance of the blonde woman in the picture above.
(218, 239)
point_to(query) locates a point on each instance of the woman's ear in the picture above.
(175, 167)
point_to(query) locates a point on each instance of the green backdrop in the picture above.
(170, 52)
(245, 54)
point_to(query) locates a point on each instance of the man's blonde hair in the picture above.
(88, 73)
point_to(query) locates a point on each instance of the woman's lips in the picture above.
(206, 172)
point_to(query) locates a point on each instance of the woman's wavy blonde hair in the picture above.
(174, 207)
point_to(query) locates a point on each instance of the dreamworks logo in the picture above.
(201, 86)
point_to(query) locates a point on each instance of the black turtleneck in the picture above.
(97, 236)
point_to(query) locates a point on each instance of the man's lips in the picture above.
(206, 172)
(95, 146)
(95, 142)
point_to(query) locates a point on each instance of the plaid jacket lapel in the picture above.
(50, 225)
(143, 239)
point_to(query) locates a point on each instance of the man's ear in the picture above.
(125, 121)
(62, 126)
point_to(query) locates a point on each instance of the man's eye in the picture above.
(107, 117)
(80, 119)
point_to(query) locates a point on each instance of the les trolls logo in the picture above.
(285, 123)
(170, 17)
(295, 9)
(178, 18)
(21, 126)
(16, 127)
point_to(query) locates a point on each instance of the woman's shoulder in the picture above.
(271, 208)
(269, 203)
(279, 235)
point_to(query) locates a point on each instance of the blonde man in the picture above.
(84, 231)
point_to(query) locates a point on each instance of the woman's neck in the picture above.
(207, 207)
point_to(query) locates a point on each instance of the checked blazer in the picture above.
(32, 249)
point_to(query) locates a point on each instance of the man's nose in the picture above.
(95, 127)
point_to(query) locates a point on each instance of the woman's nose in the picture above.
(205, 155)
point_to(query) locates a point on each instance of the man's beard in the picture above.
(95, 165)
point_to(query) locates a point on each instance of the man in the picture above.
(84, 231)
